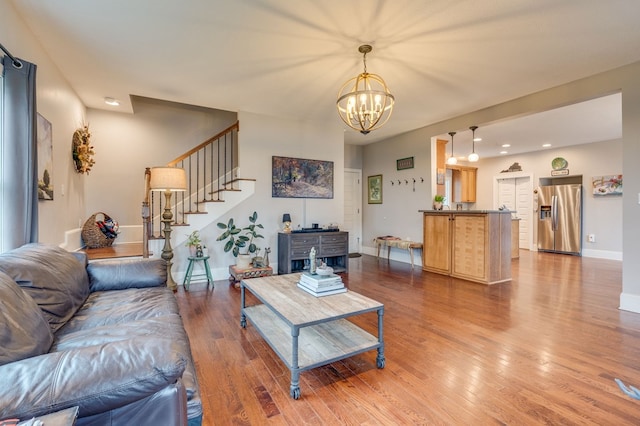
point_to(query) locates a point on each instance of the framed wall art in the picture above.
(45, 159)
(404, 163)
(374, 189)
(607, 185)
(301, 178)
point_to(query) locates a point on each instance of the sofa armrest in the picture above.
(95, 378)
(121, 274)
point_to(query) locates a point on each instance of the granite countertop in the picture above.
(466, 211)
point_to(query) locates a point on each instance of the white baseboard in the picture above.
(602, 254)
(630, 302)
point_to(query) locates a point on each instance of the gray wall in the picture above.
(602, 216)
(622, 79)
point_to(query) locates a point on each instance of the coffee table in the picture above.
(307, 331)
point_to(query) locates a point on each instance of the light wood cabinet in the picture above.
(472, 245)
(515, 238)
(463, 184)
(437, 236)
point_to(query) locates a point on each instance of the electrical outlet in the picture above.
(591, 238)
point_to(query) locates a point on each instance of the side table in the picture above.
(189, 275)
(237, 275)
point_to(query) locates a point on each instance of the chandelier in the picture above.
(364, 102)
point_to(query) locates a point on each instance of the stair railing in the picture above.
(211, 169)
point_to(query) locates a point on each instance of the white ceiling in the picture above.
(440, 58)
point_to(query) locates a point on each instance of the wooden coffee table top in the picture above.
(299, 308)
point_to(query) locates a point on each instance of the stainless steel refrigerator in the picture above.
(560, 219)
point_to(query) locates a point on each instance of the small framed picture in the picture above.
(440, 177)
(374, 189)
(404, 163)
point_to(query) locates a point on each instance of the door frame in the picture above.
(358, 200)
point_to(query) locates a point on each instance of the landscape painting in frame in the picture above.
(301, 178)
(45, 159)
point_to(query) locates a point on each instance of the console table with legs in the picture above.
(307, 331)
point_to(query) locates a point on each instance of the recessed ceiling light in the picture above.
(506, 145)
(111, 101)
(546, 145)
(503, 152)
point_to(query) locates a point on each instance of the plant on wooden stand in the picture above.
(240, 241)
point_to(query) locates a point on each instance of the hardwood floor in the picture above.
(541, 349)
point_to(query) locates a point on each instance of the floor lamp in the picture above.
(168, 180)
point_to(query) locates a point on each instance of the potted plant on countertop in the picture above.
(437, 202)
(240, 241)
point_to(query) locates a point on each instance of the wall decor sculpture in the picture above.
(301, 178)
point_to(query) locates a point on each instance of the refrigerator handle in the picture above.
(554, 212)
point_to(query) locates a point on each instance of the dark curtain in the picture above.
(19, 168)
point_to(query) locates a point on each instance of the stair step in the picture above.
(238, 180)
(197, 212)
(217, 191)
(209, 201)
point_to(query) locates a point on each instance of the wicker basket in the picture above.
(92, 234)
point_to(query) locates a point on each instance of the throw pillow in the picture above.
(52, 276)
(24, 332)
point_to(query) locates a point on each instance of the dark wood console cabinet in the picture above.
(331, 247)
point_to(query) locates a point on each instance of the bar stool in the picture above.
(189, 275)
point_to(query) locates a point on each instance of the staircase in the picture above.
(213, 188)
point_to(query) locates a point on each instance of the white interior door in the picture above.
(523, 200)
(352, 222)
(516, 193)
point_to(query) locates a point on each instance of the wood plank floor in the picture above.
(541, 349)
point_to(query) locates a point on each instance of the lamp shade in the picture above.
(286, 218)
(168, 179)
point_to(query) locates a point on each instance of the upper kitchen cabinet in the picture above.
(463, 183)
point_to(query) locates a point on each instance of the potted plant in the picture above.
(193, 241)
(240, 241)
(437, 202)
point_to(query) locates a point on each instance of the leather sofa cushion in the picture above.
(52, 276)
(121, 274)
(23, 330)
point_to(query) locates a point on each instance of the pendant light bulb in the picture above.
(452, 160)
(473, 157)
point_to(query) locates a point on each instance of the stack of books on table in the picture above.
(321, 285)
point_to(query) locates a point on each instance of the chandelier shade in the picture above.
(365, 102)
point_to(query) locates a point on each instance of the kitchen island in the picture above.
(474, 245)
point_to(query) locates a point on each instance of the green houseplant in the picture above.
(437, 202)
(193, 241)
(240, 241)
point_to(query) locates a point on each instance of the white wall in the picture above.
(125, 144)
(623, 79)
(59, 104)
(602, 216)
(260, 138)
(398, 214)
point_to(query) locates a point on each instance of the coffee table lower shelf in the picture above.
(314, 345)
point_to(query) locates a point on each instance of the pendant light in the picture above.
(452, 160)
(364, 102)
(473, 157)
